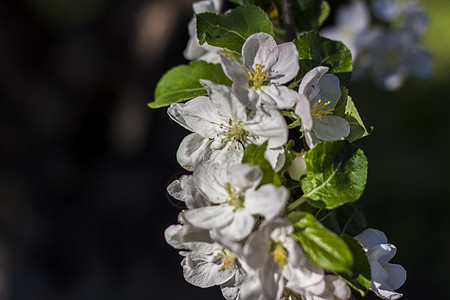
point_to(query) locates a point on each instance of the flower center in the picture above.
(279, 253)
(228, 259)
(320, 111)
(235, 199)
(234, 132)
(258, 77)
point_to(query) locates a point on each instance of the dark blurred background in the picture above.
(84, 163)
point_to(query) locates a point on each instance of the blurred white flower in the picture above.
(386, 277)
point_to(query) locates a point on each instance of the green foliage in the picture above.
(323, 247)
(310, 14)
(182, 82)
(346, 219)
(346, 108)
(254, 155)
(337, 173)
(231, 30)
(315, 50)
(360, 278)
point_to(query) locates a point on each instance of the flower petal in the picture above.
(303, 110)
(268, 126)
(237, 73)
(267, 201)
(329, 90)
(283, 63)
(256, 48)
(371, 237)
(192, 151)
(396, 275)
(276, 157)
(244, 176)
(308, 85)
(210, 179)
(278, 96)
(210, 217)
(332, 128)
(239, 228)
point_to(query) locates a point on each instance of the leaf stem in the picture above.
(296, 203)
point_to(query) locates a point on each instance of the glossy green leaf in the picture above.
(346, 219)
(323, 247)
(231, 30)
(337, 174)
(182, 82)
(360, 278)
(315, 50)
(254, 155)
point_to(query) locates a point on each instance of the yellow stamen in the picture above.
(235, 199)
(320, 111)
(234, 132)
(279, 253)
(258, 77)
(228, 260)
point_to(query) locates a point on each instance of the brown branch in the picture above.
(288, 19)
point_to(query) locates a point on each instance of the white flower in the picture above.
(206, 263)
(386, 277)
(183, 189)
(351, 20)
(222, 128)
(266, 66)
(234, 200)
(318, 95)
(195, 51)
(388, 10)
(277, 257)
(393, 55)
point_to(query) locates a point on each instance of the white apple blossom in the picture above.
(266, 66)
(277, 259)
(222, 127)
(206, 263)
(195, 51)
(393, 55)
(234, 200)
(183, 189)
(386, 277)
(352, 20)
(389, 10)
(318, 95)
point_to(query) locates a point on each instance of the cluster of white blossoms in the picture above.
(390, 50)
(235, 231)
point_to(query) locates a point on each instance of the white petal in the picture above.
(303, 110)
(229, 107)
(202, 271)
(271, 280)
(244, 176)
(396, 275)
(210, 217)
(256, 48)
(267, 201)
(276, 157)
(269, 126)
(203, 6)
(256, 249)
(192, 151)
(371, 237)
(308, 85)
(237, 73)
(278, 96)
(354, 15)
(311, 139)
(330, 91)
(248, 96)
(382, 252)
(198, 115)
(239, 228)
(384, 291)
(338, 287)
(283, 63)
(332, 128)
(210, 178)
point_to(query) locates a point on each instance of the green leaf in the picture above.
(337, 174)
(182, 82)
(323, 247)
(254, 155)
(360, 278)
(315, 50)
(346, 219)
(307, 14)
(324, 12)
(231, 30)
(346, 108)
